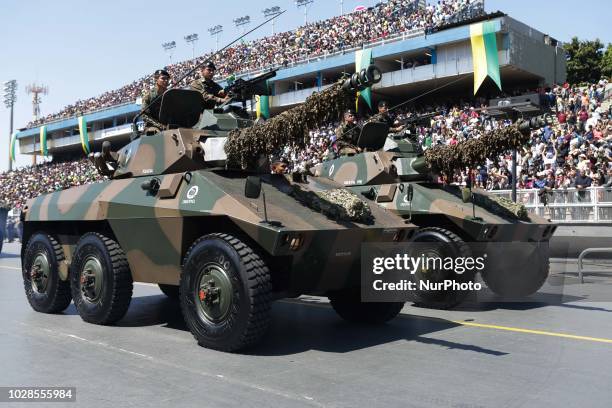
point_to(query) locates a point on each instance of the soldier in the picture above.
(347, 134)
(212, 92)
(150, 114)
(383, 116)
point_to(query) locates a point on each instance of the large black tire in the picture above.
(45, 291)
(172, 291)
(105, 298)
(232, 312)
(348, 305)
(513, 281)
(454, 246)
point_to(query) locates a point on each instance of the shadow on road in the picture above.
(307, 324)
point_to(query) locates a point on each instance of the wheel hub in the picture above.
(213, 292)
(39, 273)
(91, 279)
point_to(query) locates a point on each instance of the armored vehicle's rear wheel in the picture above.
(509, 281)
(101, 280)
(44, 289)
(349, 306)
(172, 291)
(225, 293)
(453, 246)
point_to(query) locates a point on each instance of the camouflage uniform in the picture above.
(347, 135)
(150, 115)
(210, 91)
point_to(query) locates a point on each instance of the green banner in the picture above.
(12, 146)
(363, 58)
(83, 134)
(263, 106)
(43, 141)
(484, 53)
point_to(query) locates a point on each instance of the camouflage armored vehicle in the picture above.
(176, 212)
(391, 166)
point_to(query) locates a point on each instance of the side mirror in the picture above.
(252, 187)
(409, 192)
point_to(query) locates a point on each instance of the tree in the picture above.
(606, 62)
(584, 60)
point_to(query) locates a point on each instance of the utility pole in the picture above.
(10, 97)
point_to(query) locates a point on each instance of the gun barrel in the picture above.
(362, 79)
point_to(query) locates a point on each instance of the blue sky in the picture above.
(81, 49)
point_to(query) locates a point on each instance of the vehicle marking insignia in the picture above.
(331, 170)
(192, 192)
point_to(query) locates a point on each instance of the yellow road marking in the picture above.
(540, 332)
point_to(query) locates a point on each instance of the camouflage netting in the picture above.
(501, 206)
(245, 146)
(339, 204)
(474, 152)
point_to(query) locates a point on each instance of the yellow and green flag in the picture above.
(262, 106)
(484, 53)
(363, 58)
(12, 146)
(43, 141)
(83, 134)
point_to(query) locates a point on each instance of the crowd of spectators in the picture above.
(29, 182)
(384, 20)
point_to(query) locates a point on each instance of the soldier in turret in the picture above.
(347, 134)
(212, 92)
(150, 114)
(383, 116)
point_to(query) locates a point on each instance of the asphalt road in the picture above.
(554, 351)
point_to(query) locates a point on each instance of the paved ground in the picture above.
(553, 352)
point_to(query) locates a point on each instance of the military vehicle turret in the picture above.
(176, 212)
(399, 176)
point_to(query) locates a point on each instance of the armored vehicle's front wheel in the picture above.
(44, 289)
(349, 306)
(225, 293)
(101, 280)
(437, 242)
(172, 291)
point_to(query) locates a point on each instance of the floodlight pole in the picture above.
(10, 97)
(215, 31)
(304, 3)
(270, 12)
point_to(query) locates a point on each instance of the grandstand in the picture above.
(418, 47)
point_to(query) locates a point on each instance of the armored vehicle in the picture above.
(226, 239)
(400, 177)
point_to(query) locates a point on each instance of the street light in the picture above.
(10, 97)
(169, 48)
(242, 21)
(271, 12)
(215, 31)
(304, 3)
(192, 39)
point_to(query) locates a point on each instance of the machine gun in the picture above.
(244, 89)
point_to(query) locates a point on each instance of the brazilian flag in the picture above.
(262, 106)
(43, 141)
(83, 134)
(484, 54)
(363, 58)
